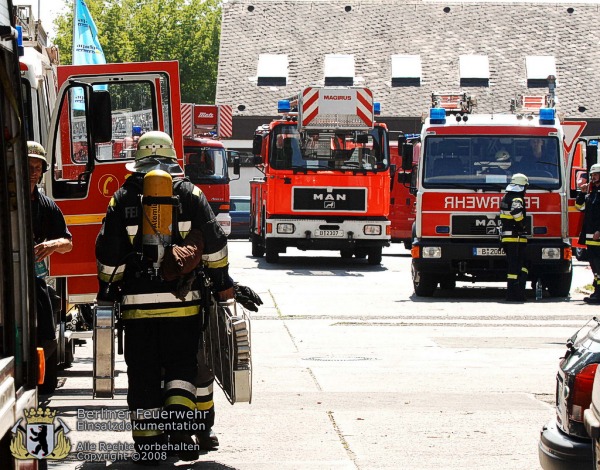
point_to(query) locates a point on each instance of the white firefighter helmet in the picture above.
(518, 183)
(155, 151)
(520, 179)
(502, 156)
(595, 168)
(35, 150)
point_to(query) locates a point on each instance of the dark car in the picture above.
(239, 210)
(564, 442)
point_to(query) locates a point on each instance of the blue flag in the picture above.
(86, 46)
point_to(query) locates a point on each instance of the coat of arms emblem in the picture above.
(41, 438)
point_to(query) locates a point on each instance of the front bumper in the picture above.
(559, 451)
(458, 257)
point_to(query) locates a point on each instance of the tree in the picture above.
(152, 30)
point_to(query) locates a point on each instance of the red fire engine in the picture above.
(86, 169)
(326, 177)
(205, 157)
(465, 161)
(403, 204)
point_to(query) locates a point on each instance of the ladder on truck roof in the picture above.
(459, 102)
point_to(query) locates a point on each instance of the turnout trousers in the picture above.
(156, 350)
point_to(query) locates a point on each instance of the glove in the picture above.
(247, 297)
(180, 260)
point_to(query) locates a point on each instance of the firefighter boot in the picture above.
(514, 293)
(187, 449)
(594, 298)
(207, 440)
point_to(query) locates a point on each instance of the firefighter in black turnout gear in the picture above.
(153, 275)
(588, 200)
(513, 236)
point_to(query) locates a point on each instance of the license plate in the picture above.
(488, 252)
(329, 233)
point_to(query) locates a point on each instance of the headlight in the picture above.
(431, 252)
(550, 253)
(285, 228)
(372, 229)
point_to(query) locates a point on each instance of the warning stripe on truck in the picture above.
(361, 96)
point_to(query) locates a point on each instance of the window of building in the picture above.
(339, 70)
(406, 70)
(474, 70)
(272, 70)
(539, 67)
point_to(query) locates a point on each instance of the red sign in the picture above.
(206, 115)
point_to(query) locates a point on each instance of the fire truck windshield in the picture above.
(480, 161)
(329, 150)
(205, 164)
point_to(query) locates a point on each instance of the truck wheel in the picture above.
(258, 250)
(360, 253)
(346, 253)
(271, 253)
(448, 284)
(559, 285)
(408, 244)
(423, 283)
(374, 256)
(69, 353)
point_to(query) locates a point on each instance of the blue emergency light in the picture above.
(377, 108)
(593, 142)
(20, 47)
(547, 115)
(283, 106)
(437, 116)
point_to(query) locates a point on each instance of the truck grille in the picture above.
(328, 199)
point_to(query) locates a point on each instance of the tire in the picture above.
(408, 244)
(346, 253)
(374, 256)
(559, 285)
(69, 353)
(424, 284)
(360, 253)
(448, 284)
(258, 251)
(271, 253)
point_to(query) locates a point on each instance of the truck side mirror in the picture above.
(401, 142)
(236, 164)
(101, 114)
(257, 145)
(591, 155)
(407, 156)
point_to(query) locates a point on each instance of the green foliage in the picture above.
(156, 30)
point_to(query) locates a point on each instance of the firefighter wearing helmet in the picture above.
(588, 200)
(513, 236)
(158, 231)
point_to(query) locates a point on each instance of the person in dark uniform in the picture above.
(160, 310)
(588, 200)
(50, 235)
(513, 236)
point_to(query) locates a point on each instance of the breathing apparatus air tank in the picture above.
(158, 215)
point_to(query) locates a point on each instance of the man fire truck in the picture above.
(465, 161)
(326, 177)
(403, 204)
(205, 158)
(19, 369)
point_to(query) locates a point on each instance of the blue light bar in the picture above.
(283, 106)
(593, 142)
(20, 47)
(437, 116)
(376, 108)
(547, 115)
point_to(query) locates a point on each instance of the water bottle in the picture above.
(41, 270)
(538, 290)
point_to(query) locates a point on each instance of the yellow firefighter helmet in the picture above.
(35, 150)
